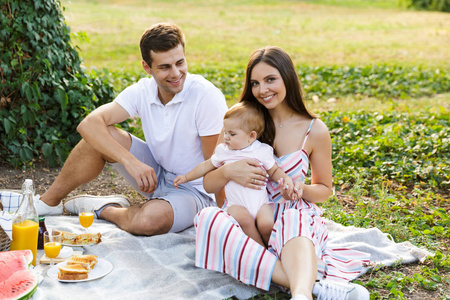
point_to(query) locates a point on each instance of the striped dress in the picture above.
(221, 245)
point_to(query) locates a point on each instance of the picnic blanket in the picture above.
(162, 267)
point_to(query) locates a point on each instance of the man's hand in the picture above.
(144, 175)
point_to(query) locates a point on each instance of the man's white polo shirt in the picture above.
(172, 131)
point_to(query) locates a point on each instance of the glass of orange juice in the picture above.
(85, 214)
(52, 244)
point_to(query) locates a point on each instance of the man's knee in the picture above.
(155, 217)
(121, 136)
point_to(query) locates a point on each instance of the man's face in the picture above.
(169, 70)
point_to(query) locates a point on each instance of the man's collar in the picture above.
(179, 97)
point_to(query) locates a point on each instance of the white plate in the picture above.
(102, 268)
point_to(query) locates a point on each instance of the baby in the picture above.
(243, 124)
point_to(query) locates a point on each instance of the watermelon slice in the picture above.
(27, 253)
(10, 264)
(16, 280)
(20, 285)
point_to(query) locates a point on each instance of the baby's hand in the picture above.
(287, 189)
(179, 180)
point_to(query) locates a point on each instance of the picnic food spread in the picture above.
(83, 239)
(77, 267)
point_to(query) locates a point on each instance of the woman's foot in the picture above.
(328, 290)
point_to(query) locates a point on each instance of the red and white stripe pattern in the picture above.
(221, 245)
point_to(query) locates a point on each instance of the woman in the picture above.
(297, 253)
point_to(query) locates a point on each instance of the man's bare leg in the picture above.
(82, 166)
(150, 218)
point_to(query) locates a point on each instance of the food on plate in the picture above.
(86, 261)
(72, 272)
(69, 238)
(77, 267)
(17, 281)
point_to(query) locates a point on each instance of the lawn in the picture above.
(375, 72)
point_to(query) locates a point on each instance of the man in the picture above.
(181, 117)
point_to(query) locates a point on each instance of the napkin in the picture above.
(6, 222)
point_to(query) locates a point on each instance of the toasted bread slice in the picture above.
(86, 261)
(69, 238)
(72, 276)
(72, 272)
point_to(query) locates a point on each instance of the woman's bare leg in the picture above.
(299, 262)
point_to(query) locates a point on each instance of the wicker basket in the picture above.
(5, 242)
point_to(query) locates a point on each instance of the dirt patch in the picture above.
(109, 182)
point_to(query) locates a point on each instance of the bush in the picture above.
(437, 5)
(44, 91)
(408, 148)
(379, 81)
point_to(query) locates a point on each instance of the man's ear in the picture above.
(146, 67)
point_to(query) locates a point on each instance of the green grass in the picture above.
(389, 127)
(222, 34)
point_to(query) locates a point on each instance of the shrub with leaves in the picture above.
(44, 91)
(409, 148)
(379, 81)
(437, 5)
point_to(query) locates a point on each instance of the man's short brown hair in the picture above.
(160, 37)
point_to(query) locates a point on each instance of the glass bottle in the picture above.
(42, 229)
(25, 227)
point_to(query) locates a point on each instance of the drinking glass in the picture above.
(85, 214)
(52, 244)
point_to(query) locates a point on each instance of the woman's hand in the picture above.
(288, 190)
(248, 173)
(298, 188)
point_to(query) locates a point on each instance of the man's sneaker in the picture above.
(327, 290)
(43, 209)
(97, 201)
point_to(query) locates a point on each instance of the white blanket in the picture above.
(162, 267)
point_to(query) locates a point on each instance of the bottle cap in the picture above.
(41, 219)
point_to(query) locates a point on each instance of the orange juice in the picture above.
(52, 249)
(86, 219)
(25, 236)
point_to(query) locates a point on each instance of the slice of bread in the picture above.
(72, 272)
(86, 261)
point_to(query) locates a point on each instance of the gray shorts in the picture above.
(186, 201)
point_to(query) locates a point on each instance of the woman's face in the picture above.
(267, 85)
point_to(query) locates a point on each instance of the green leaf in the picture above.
(7, 125)
(63, 98)
(47, 150)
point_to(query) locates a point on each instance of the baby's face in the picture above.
(234, 137)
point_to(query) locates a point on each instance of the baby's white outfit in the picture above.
(237, 194)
